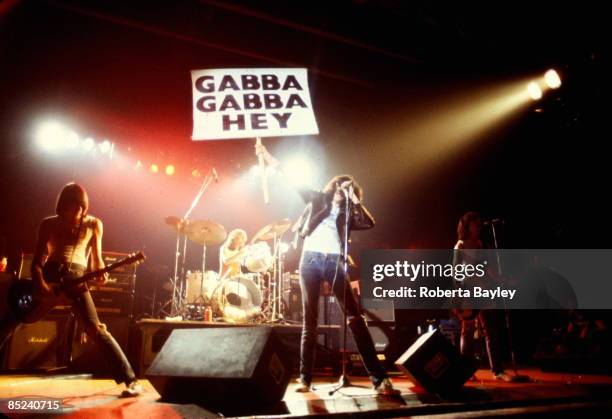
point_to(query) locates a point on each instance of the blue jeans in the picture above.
(316, 267)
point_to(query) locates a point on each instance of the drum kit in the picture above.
(253, 297)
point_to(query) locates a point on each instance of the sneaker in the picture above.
(302, 386)
(502, 376)
(385, 388)
(133, 389)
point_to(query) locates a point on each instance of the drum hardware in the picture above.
(204, 233)
(274, 231)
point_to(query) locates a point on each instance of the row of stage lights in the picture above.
(550, 80)
(55, 137)
(169, 169)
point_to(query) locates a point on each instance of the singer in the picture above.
(322, 226)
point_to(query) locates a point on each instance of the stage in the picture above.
(562, 394)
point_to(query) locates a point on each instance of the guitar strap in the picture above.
(76, 241)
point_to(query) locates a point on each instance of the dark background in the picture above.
(120, 70)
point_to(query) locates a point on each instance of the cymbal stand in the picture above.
(177, 306)
(273, 312)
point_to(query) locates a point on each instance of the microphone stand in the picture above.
(344, 381)
(517, 378)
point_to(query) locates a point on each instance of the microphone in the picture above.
(494, 221)
(215, 175)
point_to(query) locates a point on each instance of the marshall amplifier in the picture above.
(123, 277)
(111, 300)
(42, 345)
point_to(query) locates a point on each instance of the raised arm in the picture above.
(232, 256)
(361, 218)
(307, 194)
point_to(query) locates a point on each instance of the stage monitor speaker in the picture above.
(39, 346)
(435, 364)
(222, 367)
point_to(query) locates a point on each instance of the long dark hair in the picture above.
(334, 182)
(463, 228)
(72, 193)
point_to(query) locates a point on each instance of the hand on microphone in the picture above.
(347, 187)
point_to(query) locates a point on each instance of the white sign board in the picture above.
(252, 102)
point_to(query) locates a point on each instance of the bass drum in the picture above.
(238, 299)
(198, 287)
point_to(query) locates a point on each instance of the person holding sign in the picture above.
(322, 227)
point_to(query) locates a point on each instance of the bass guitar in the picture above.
(28, 306)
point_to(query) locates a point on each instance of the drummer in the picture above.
(231, 254)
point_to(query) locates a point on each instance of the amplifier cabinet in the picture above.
(40, 346)
(86, 356)
(110, 300)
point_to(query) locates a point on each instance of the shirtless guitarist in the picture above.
(65, 244)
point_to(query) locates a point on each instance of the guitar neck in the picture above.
(97, 272)
(90, 275)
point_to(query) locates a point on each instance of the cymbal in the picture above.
(205, 232)
(271, 230)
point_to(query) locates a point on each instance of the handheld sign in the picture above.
(255, 102)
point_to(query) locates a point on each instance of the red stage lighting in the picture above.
(170, 170)
(154, 168)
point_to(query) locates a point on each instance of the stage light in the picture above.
(105, 147)
(196, 173)
(72, 140)
(300, 171)
(154, 168)
(170, 169)
(88, 144)
(256, 170)
(138, 165)
(534, 90)
(552, 79)
(52, 136)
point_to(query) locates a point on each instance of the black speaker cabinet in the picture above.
(434, 364)
(86, 355)
(222, 367)
(39, 346)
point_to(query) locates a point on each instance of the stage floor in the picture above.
(564, 394)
